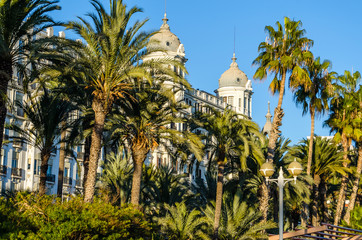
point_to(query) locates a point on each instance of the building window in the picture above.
(230, 100)
(224, 99)
(239, 104)
(19, 104)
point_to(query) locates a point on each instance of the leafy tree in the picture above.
(20, 21)
(230, 139)
(45, 113)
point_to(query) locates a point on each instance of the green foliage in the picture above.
(356, 219)
(32, 217)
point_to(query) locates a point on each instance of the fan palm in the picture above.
(44, 113)
(20, 21)
(280, 54)
(343, 112)
(229, 139)
(315, 99)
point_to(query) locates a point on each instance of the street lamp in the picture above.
(267, 170)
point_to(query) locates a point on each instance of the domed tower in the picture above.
(268, 124)
(168, 42)
(235, 89)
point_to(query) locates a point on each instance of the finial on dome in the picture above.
(234, 58)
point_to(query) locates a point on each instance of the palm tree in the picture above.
(183, 223)
(327, 162)
(20, 21)
(109, 60)
(340, 120)
(238, 220)
(282, 53)
(230, 139)
(357, 137)
(315, 99)
(142, 126)
(117, 176)
(45, 114)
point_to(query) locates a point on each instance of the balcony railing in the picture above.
(67, 181)
(3, 169)
(50, 178)
(16, 172)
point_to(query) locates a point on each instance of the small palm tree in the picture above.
(20, 21)
(45, 114)
(327, 162)
(181, 223)
(238, 220)
(230, 139)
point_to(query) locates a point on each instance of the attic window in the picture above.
(238, 79)
(168, 43)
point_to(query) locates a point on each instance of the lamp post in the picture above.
(267, 170)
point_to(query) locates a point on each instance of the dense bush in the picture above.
(31, 217)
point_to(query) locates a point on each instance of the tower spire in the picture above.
(268, 124)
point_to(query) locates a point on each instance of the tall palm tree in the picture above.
(327, 162)
(340, 120)
(20, 21)
(142, 124)
(45, 113)
(109, 60)
(315, 99)
(230, 138)
(282, 54)
(357, 137)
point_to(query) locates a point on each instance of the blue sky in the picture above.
(206, 28)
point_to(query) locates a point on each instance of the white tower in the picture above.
(235, 89)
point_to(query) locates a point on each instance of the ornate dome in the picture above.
(166, 39)
(233, 77)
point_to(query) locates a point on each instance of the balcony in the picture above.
(3, 169)
(80, 156)
(51, 178)
(67, 181)
(16, 172)
(79, 183)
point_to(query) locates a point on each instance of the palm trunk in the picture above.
(264, 200)
(341, 195)
(315, 200)
(311, 140)
(45, 155)
(219, 192)
(352, 200)
(95, 149)
(87, 145)
(324, 206)
(139, 155)
(277, 121)
(6, 73)
(61, 163)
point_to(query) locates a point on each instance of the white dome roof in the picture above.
(165, 38)
(233, 77)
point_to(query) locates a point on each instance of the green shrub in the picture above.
(32, 217)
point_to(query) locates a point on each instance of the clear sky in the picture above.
(206, 28)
